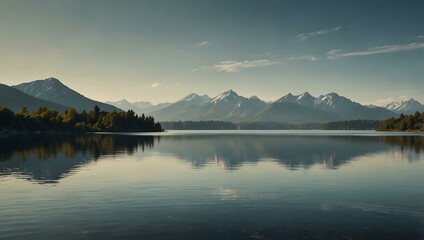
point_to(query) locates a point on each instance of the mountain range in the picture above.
(228, 106)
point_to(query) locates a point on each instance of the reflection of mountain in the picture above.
(291, 151)
(48, 158)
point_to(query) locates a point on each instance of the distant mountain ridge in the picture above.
(142, 104)
(125, 105)
(229, 106)
(140, 107)
(51, 89)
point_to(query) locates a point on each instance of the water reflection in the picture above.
(48, 158)
(292, 152)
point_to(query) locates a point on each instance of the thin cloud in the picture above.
(155, 85)
(304, 36)
(236, 66)
(202, 44)
(420, 36)
(203, 68)
(338, 53)
(304, 57)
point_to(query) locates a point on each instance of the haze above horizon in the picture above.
(159, 51)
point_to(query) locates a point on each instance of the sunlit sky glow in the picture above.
(162, 50)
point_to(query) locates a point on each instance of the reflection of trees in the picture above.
(62, 154)
(409, 147)
(293, 152)
(405, 142)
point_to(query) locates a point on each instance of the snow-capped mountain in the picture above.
(333, 102)
(304, 99)
(348, 110)
(195, 99)
(182, 109)
(227, 98)
(407, 107)
(195, 107)
(51, 89)
(247, 108)
(220, 107)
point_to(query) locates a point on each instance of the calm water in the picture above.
(213, 185)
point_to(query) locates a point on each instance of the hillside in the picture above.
(53, 90)
(15, 100)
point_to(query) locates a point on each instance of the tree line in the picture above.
(413, 122)
(198, 125)
(44, 119)
(351, 125)
(223, 125)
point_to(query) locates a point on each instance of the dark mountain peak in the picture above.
(49, 84)
(332, 94)
(230, 93)
(205, 96)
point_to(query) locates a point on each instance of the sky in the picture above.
(162, 50)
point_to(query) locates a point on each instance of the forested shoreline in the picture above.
(408, 123)
(49, 120)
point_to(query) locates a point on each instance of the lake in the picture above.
(213, 185)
